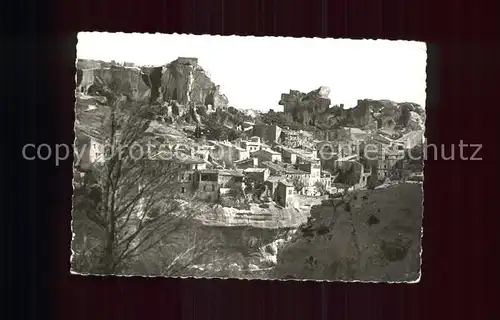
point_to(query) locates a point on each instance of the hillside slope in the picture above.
(389, 242)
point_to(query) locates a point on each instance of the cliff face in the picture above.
(385, 114)
(305, 108)
(374, 238)
(181, 87)
(128, 81)
(185, 81)
(313, 108)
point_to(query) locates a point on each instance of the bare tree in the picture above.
(128, 206)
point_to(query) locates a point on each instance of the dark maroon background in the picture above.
(459, 232)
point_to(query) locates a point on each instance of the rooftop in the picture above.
(280, 168)
(286, 183)
(233, 173)
(270, 151)
(255, 170)
(244, 160)
(349, 158)
(308, 159)
(358, 130)
(209, 171)
(176, 157)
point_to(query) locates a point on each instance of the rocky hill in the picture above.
(314, 109)
(374, 237)
(178, 91)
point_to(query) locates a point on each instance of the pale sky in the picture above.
(253, 71)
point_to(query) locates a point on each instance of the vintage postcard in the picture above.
(248, 157)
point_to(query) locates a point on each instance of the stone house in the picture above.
(89, 149)
(267, 155)
(271, 184)
(258, 175)
(293, 155)
(382, 158)
(251, 145)
(289, 155)
(267, 132)
(339, 162)
(284, 194)
(328, 180)
(230, 179)
(207, 185)
(311, 166)
(285, 171)
(211, 184)
(187, 168)
(247, 163)
(234, 152)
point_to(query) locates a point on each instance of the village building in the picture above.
(234, 152)
(89, 149)
(267, 155)
(296, 138)
(267, 132)
(251, 145)
(230, 180)
(292, 155)
(206, 185)
(338, 162)
(284, 194)
(284, 171)
(383, 158)
(328, 180)
(226, 150)
(259, 175)
(187, 166)
(270, 186)
(211, 184)
(289, 155)
(247, 163)
(311, 166)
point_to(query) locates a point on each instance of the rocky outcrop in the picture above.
(373, 237)
(314, 109)
(185, 81)
(306, 108)
(120, 80)
(182, 88)
(389, 114)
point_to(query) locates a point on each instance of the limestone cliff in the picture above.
(314, 109)
(185, 81)
(370, 114)
(373, 237)
(305, 108)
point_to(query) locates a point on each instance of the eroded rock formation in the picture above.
(180, 87)
(306, 108)
(314, 109)
(185, 81)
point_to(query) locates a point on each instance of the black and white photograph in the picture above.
(266, 158)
